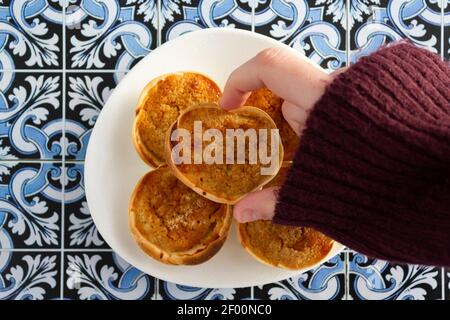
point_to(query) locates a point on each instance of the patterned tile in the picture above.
(377, 22)
(80, 231)
(86, 93)
(446, 45)
(30, 115)
(109, 34)
(315, 27)
(30, 34)
(181, 16)
(326, 282)
(104, 276)
(30, 205)
(172, 291)
(379, 280)
(29, 275)
(115, 34)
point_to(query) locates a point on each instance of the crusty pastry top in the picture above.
(285, 246)
(161, 103)
(171, 216)
(267, 101)
(224, 183)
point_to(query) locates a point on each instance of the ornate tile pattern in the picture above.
(173, 291)
(104, 276)
(326, 282)
(315, 28)
(59, 62)
(181, 16)
(377, 22)
(109, 34)
(371, 279)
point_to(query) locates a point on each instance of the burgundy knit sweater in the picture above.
(373, 167)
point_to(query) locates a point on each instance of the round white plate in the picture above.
(113, 167)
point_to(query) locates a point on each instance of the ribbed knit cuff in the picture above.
(373, 167)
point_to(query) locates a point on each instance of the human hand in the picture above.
(298, 83)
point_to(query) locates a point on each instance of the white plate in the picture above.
(113, 167)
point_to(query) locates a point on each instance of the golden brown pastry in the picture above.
(266, 100)
(173, 224)
(283, 246)
(159, 106)
(224, 183)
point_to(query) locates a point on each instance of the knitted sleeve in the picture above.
(373, 167)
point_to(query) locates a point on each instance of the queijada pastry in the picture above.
(283, 246)
(160, 104)
(267, 101)
(172, 223)
(224, 183)
(181, 213)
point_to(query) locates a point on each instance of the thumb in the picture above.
(258, 205)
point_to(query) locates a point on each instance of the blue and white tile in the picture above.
(371, 279)
(80, 230)
(173, 291)
(30, 205)
(181, 16)
(378, 22)
(326, 282)
(30, 115)
(30, 34)
(104, 276)
(29, 275)
(86, 94)
(109, 34)
(314, 27)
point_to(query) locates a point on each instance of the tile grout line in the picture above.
(346, 274)
(158, 22)
(24, 160)
(63, 188)
(67, 70)
(253, 27)
(36, 250)
(62, 249)
(347, 32)
(32, 160)
(156, 288)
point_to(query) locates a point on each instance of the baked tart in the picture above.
(281, 246)
(269, 102)
(222, 182)
(160, 104)
(172, 223)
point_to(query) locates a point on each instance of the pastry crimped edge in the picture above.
(144, 153)
(196, 255)
(244, 239)
(199, 190)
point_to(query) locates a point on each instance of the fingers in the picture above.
(258, 205)
(295, 116)
(282, 71)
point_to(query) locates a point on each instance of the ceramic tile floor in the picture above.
(60, 60)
